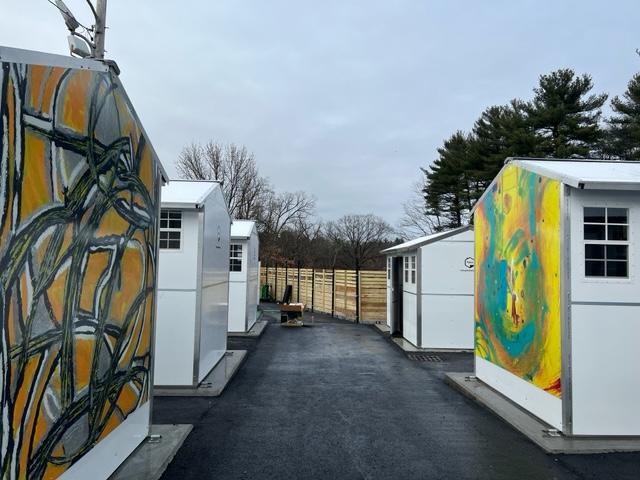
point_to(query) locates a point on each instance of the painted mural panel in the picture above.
(517, 301)
(77, 264)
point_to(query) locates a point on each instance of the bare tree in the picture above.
(359, 237)
(415, 221)
(234, 167)
(282, 210)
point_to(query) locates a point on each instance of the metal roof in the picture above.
(587, 174)
(595, 174)
(426, 240)
(242, 229)
(187, 193)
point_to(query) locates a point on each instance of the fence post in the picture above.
(298, 282)
(358, 295)
(333, 291)
(275, 287)
(313, 287)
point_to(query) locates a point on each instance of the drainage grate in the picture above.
(423, 357)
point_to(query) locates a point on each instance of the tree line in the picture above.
(291, 233)
(563, 120)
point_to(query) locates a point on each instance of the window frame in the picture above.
(406, 269)
(167, 229)
(238, 250)
(606, 242)
(412, 264)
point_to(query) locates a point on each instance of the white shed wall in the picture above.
(244, 287)
(175, 333)
(177, 269)
(238, 303)
(605, 329)
(543, 405)
(176, 313)
(191, 331)
(253, 279)
(446, 292)
(214, 307)
(409, 317)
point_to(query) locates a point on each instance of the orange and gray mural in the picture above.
(78, 214)
(517, 297)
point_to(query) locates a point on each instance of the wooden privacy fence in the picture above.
(360, 295)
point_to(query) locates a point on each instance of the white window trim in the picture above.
(241, 250)
(627, 242)
(171, 229)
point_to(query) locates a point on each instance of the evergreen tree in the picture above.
(449, 191)
(502, 131)
(624, 127)
(565, 116)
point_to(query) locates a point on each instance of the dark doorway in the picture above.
(396, 296)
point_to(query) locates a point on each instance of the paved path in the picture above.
(339, 401)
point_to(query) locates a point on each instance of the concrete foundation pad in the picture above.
(532, 427)
(214, 383)
(153, 456)
(382, 328)
(254, 332)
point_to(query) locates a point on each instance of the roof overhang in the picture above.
(415, 244)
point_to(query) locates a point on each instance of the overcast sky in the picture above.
(343, 99)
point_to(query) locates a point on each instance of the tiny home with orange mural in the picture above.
(557, 315)
(79, 201)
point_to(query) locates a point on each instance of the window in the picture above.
(235, 258)
(413, 269)
(170, 229)
(606, 242)
(388, 268)
(406, 269)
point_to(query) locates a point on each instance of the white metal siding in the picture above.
(177, 269)
(175, 331)
(214, 307)
(409, 317)
(543, 405)
(446, 293)
(605, 330)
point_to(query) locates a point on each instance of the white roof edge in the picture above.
(536, 165)
(545, 172)
(194, 203)
(426, 240)
(33, 57)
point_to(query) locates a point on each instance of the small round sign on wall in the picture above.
(469, 262)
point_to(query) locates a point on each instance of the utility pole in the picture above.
(101, 26)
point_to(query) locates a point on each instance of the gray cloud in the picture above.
(343, 99)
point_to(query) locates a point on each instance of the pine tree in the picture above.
(624, 127)
(564, 116)
(502, 131)
(449, 190)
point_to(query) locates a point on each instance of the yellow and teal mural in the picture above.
(517, 297)
(78, 203)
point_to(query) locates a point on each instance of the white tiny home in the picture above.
(244, 275)
(193, 282)
(430, 290)
(557, 280)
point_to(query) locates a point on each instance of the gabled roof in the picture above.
(422, 241)
(187, 193)
(588, 174)
(242, 229)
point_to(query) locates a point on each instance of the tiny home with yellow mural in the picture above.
(557, 315)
